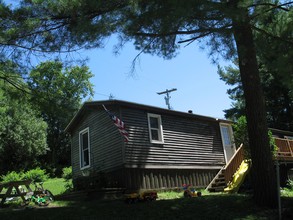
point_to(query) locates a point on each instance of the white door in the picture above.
(227, 140)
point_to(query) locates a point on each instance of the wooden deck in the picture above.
(285, 149)
(283, 155)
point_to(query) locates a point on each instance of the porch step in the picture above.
(217, 189)
(218, 184)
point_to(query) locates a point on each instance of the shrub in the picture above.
(290, 184)
(36, 175)
(67, 173)
(12, 176)
(241, 136)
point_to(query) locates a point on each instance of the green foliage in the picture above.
(275, 67)
(22, 131)
(240, 132)
(274, 147)
(241, 137)
(290, 184)
(57, 93)
(67, 173)
(36, 175)
(12, 176)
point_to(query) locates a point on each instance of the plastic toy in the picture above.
(238, 178)
(190, 191)
(140, 197)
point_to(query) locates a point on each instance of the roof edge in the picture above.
(138, 106)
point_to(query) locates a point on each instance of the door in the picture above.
(227, 140)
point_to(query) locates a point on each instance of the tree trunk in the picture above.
(263, 172)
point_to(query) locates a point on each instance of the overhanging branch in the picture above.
(197, 31)
(288, 40)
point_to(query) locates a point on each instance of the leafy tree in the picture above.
(241, 137)
(57, 92)
(240, 132)
(22, 131)
(156, 27)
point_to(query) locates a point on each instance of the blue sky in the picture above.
(198, 85)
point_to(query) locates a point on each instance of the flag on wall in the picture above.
(119, 124)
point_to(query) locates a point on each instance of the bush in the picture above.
(67, 173)
(241, 136)
(12, 176)
(36, 175)
(290, 184)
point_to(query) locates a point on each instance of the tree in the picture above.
(156, 27)
(276, 70)
(278, 97)
(57, 92)
(22, 131)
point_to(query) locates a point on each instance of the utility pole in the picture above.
(167, 97)
(111, 96)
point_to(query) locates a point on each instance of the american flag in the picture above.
(119, 124)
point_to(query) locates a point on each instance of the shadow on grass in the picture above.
(221, 206)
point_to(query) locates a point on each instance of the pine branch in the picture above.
(274, 6)
(289, 40)
(197, 31)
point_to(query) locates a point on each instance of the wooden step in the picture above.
(218, 185)
(216, 189)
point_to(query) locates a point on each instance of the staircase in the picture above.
(219, 183)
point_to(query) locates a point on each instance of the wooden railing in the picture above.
(285, 149)
(234, 164)
(285, 152)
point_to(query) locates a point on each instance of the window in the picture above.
(84, 148)
(155, 128)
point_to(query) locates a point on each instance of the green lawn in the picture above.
(56, 185)
(170, 205)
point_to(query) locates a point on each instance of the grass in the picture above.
(56, 185)
(170, 205)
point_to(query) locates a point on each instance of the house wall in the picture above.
(188, 143)
(141, 179)
(166, 178)
(192, 152)
(105, 144)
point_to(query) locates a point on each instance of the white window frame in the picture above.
(159, 129)
(81, 158)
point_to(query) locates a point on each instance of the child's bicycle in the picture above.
(40, 196)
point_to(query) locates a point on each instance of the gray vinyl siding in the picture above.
(105, 143)
(187, 141)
